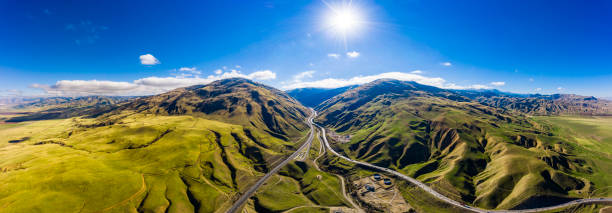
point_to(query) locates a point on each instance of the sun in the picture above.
(344, 19)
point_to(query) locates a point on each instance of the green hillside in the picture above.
(482, 155)
(141, 158)
(196, 149)
(236, 100)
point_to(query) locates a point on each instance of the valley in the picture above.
(331, 106)
(259, 150)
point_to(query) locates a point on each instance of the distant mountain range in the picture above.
(533, 104)
(312, 97)
(63, 107)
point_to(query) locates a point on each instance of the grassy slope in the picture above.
(142, 162)
(470, 152)
(237, 101)
(593, 139)
(298, 184)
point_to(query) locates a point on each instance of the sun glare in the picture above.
(344, 20)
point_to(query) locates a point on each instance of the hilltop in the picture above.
(236, 100)
(490, 157)
(191, 149)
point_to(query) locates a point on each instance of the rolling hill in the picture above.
(488, 156)
(237, 101)
(191, 149)
(197, 148)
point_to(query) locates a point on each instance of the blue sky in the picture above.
(96, 47)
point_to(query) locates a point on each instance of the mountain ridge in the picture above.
(473, 152)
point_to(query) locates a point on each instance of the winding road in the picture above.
(451, 201)
(246, 195)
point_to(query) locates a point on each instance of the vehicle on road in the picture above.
(387, 181)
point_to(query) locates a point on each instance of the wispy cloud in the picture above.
(10, 93)
(262, 75)
(560, 88)
(538, 89)
(148, 59)
(417, 72)
(341, 82)
(300, 76)
(333, 55)
(478, 86)
(192, 70)
(143, 86)
(498, 83)
(352, 54)
(446, 64)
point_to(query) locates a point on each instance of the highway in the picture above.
(246, 195)
(451, 201)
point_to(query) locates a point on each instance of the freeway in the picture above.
(246, 195)
(451, 201)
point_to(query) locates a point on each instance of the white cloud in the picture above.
(262, 75)
(187, 69)
(10, 93)
(190, 70)
(417, 72)
(148, 59)
(338, 82)
(560, 88)
(447, 64)
(498, 83)
(479, 86)
(218, 71)
(530, 79)
(302, 75)
(143, 86)
(166, 83)
(86, 87)
(333, 55)
(352, 54)
(538, 89)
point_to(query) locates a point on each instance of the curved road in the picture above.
(421, 185)
(342, 182)
(451, 201)
(263, 179)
